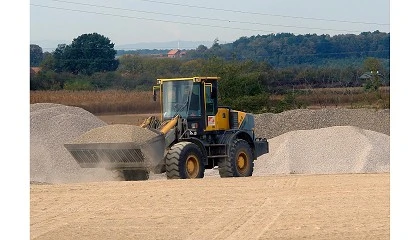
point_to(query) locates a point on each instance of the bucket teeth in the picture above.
(109, 156)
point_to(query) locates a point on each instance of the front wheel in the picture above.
(239, 163)
(184, 160)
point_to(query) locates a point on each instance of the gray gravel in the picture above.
(270, 125)
(51, 126)
(332, 150)
(334, 141)
(116, 133)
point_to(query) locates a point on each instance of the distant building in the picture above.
(174, 53)
(371, 74)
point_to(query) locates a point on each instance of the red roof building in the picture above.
(174, 53)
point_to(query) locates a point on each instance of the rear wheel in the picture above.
(239, 163)
(184, 160)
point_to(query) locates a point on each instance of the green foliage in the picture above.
(240, 85)
(372, 84)
(35, 55)
(46, 80)
(286, 49)
(147, 67)
(105, 80)
(48, 62)
(78, 85)
(289, 102)
(252, 104)
(372, 64)
(280, 62)
(87, 54)
(192, 67)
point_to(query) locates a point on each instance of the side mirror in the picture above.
(154, 93)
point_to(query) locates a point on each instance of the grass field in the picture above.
(100, 102)
(138, 102)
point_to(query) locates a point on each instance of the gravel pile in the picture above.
(270, 125)
(301, 141)
(340, 149)
(52, 125)
(117, 133)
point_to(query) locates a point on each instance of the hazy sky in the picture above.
(136, 21)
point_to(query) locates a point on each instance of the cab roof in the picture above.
(194, 79)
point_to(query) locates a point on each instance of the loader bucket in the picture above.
(118, 147)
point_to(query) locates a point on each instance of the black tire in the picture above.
(239, 163)
(184, 160)
(135, 175)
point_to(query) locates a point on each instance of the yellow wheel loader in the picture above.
(193, 133)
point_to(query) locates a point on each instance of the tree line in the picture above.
(286, 49)
(251, 68)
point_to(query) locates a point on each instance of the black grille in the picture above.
(107, 156)
(234, 120)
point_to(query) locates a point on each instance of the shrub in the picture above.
(77, 85)
(254, 104)
(289, 102)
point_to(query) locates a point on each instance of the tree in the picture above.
(216, 44)
(48, 61)
(36, 55)
(201, 48)
(87, 54)
(374, 66)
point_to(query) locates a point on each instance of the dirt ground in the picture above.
(345, 206)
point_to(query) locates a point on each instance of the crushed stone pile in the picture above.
(301, 141)
(270, 125)
(331, 150)
(51, 126)
(116, 133)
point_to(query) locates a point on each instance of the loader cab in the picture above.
(180, 98)
(193, 99)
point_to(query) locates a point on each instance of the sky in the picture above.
(139, 21)
(22, 24)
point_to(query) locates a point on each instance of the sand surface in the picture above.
(326, 177)
(344, 206)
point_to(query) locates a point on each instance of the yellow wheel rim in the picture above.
(192, 166)
(242, 162)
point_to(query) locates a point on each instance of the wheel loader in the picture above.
(192, 134)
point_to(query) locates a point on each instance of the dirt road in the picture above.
(347, 206)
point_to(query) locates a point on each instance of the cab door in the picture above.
(216, 118)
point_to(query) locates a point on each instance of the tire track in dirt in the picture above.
(285, 183)
(248, 221)
(260, 221)
(59, 216)
(345, 206)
